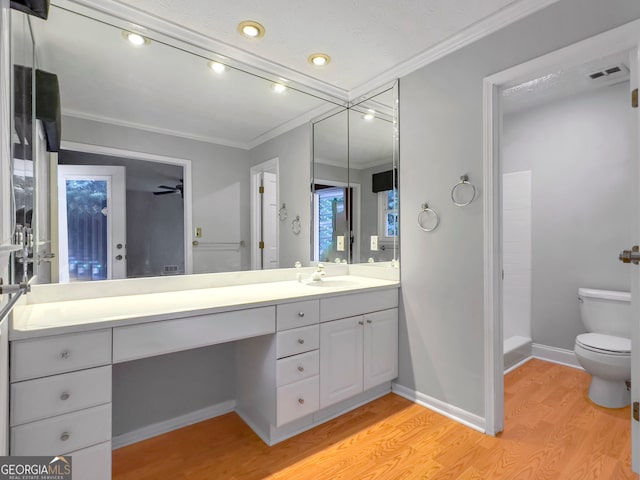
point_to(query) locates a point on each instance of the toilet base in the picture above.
(608, 393)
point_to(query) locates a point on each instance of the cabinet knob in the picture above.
(65, 436)
(301, 369)
(369, 321)
(64, 396)
(300, 341)
(301, 401)
(301, 314)
(65, 354)
(360, 322)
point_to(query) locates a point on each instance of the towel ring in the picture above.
(424, 215)
(464, 180)
(296, 225)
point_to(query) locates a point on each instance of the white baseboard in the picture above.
(555, 355)
(468, 419)
(517, 365)
(172, 424)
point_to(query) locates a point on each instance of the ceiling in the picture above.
(564, 83)
(162, 88)
(364, 38)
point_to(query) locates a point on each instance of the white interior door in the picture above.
(92, 222)
(634, 64)
(270, 220)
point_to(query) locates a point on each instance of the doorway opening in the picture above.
(136, 223)
(336, 231)
(265, 208)
(597, 177)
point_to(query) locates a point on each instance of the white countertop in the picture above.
(54, 318)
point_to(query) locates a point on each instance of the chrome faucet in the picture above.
(318, 274)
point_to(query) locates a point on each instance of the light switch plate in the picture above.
(374, 242)
(340, 243)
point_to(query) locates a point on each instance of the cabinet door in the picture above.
(380, 347)
(340, 360)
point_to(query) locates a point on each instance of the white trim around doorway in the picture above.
(622, 38)
(150, 157)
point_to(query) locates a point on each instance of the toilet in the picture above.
(605, 351)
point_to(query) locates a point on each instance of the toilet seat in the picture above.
(605, 344)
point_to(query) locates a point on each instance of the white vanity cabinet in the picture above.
(356, 354)
(317, 360)
(60, 398)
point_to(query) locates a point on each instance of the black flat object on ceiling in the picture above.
(37, 8)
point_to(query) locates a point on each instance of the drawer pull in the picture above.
(65, 354)
(65, 396)
(65, 436)
(301, 401)
(301, 369)
(360, 322)
(300, 341)
(301, 314)
(369, 321)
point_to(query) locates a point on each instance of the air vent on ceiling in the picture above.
(611, 73)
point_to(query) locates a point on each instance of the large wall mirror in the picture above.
(355, 183)
(175, 160)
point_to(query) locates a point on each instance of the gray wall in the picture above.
(220, 178)
(580, 153)
(441, 332)
(293, 150)
(155, 233)
(369, 217)
(155, 389)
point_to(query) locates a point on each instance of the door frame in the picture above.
(626, 37)
(150, 157)
(355, 213)
(115, 176)
(271, 166)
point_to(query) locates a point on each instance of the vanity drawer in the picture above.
(93, 463)
(63, 353)
(49, 396)
(168, 336)
(297, 314)
(298, 340)
(298, 399)
(298, 367)
(356, 304)
(64, 433)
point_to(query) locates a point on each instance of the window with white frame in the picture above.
(388, 214)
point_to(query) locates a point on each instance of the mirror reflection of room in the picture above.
(171, 162)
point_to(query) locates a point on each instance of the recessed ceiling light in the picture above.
(251, 29)
(368, 116)
(319, 59)
(217, 66)
(278, 87)
(135, 39)
(371, 111)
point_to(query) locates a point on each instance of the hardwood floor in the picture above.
(552, 431)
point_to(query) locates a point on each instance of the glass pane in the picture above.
(87, 229)
(331, 211)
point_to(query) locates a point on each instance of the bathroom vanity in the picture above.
(305, 353)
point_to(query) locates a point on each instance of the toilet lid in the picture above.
(607, 343)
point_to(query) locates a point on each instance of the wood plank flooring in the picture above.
(552, 431)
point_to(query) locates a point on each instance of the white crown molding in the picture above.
(148, 128)
(236, 57)
(291, 124)
(491, 24)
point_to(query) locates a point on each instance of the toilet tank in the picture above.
(605, 311)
